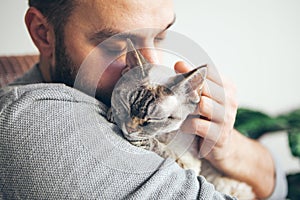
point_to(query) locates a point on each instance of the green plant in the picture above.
(254, 124)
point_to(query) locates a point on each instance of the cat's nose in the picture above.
(131, 127)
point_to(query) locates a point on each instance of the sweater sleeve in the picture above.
(281, 187)
(55, 143)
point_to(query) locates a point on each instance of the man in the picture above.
(56, 142)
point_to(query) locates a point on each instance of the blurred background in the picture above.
(256, 43)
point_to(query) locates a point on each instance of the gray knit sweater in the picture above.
(55, 143)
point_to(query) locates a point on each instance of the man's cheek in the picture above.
(111, 76)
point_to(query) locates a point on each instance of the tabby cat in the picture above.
(149, 111)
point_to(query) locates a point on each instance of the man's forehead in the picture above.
(135, 35)
(125, 14)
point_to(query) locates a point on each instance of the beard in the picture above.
(66, 70)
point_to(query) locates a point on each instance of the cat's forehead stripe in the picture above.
(140, 102)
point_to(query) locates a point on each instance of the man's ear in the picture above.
(41, 32)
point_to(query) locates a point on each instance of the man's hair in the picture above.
(56, 12)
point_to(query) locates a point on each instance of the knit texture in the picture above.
(55, 143)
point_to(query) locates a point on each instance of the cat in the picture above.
(150, 111)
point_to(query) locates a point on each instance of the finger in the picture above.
(228, 83)
(211, 109)
(213, 74)
(214, 91)
(201, 127)
(182, 67)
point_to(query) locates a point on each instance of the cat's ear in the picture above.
(189, 83)
(134, 58)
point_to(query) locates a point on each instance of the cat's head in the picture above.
(143, 108)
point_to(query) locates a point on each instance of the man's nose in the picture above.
(151, 55)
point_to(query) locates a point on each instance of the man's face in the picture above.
(94, 21)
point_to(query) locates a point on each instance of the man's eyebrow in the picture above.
(108, 33)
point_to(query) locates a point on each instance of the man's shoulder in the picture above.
(45, 91)
(28, 94)
(54, 102)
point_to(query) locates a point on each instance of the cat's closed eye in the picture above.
(153, 120)
(171, 117)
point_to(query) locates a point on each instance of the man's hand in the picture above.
(217, 108)
(229, 151)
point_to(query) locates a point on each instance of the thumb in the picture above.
(181, 67)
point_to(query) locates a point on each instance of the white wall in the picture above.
(256, 43)
(14, 37)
